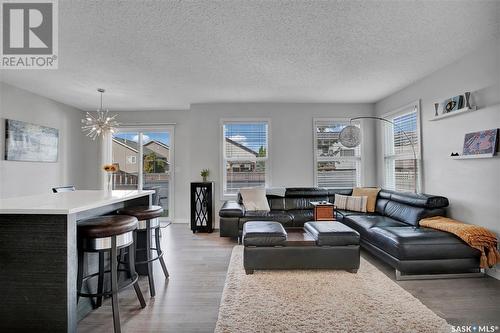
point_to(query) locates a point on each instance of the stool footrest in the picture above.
(133, 280)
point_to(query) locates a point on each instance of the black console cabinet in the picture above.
(202, 206)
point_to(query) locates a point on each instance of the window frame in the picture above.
(360, 180)
(401, 111)
(223, 160)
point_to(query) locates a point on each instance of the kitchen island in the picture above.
(38, 255)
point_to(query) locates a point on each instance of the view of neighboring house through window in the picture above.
(335, 165)
(245, 155)
(399, 164)
(153, 169)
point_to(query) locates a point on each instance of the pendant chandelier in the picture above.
(99, 123)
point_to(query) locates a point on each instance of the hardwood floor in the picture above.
(189, 300)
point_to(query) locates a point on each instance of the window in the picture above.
(245, 155)
(401, 170)
(131, 159)
(335, 166)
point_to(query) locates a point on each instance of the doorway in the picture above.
(145, 160)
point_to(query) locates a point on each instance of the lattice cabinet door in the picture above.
(202, 207)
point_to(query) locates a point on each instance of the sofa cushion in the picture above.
(275, 215)
(332, 234)
(341, 213)
(364, 223)
(411, 243)
(232, 209)
(302, 192)
(264, 233)
(295, 203)
(410, 214)
(421, 200)
(276, 203)
(301, 216)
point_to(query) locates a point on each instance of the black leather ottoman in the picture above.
(322, 245)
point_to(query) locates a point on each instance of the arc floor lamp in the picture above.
(350, 137)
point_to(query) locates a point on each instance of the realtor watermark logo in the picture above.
(29, 34)
(475, 329)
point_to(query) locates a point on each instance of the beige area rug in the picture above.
(319, 301)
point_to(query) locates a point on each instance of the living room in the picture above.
(285, 105)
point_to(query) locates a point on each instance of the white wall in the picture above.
(76, 153)
(473, 186)
(197, 141)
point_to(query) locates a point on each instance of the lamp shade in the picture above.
(350, 136)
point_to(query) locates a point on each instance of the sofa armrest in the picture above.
(232, 209)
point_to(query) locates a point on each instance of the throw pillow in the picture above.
(357, 204)
(254, 198)
(370, 192)
(341, 201)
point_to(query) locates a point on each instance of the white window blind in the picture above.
(335, 165)
(245, 155)
(399, 161)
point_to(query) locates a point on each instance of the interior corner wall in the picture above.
(472, 186)
(291, 139)
(76, 152)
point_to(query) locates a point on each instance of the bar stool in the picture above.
(148, 221)
(108, 234)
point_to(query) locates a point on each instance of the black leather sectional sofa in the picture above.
(391, 233)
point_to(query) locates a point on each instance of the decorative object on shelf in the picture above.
(467, 99)
(110, 169)
(202, 206)
(454, 154)
(30, 142)
(481, 143)
(350, 137)
(101, 123)
(453, 104)
(204, 174)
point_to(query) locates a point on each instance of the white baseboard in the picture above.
(494, 272)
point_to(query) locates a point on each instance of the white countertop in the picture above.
(67, 202)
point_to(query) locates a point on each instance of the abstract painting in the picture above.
(30, 142)
(482, 142)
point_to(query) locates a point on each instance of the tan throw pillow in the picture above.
(254, 198)
(357, 204)
(370, 192)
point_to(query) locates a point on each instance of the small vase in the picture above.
(436, 107)
(467, 100)
(204, 179)
(109, 182)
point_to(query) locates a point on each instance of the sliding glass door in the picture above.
(145, 161)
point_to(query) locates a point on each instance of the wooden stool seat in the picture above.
(106, 226)
(142, 212)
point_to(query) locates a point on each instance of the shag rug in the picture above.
(319, 301)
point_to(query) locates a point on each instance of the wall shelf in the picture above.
(453, 113)
(470, 157)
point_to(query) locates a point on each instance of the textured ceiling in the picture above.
(169, 54)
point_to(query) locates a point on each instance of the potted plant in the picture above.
(204, 174)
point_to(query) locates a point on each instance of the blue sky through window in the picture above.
(163, 137)
(250, 135)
